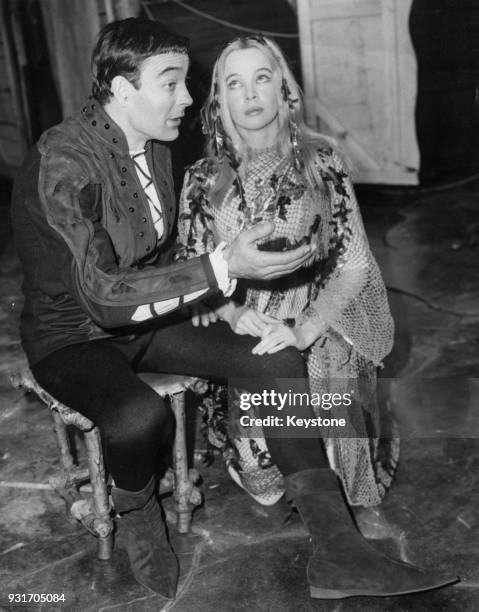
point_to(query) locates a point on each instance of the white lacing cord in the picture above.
(227, 24)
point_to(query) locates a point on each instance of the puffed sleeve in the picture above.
(109, 294)
(351, 296)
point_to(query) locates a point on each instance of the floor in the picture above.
(243, 556)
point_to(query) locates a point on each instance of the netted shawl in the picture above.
(343, 292)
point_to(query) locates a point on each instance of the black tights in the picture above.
(98, 379)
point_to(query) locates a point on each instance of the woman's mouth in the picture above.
(255, 110)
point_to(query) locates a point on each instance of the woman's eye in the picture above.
(233, 84)
(263, 78)
(171, 85)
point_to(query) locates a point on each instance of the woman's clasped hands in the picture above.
(274, 334)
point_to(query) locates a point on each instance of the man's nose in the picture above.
(185, 98)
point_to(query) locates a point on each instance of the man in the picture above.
(93, 214)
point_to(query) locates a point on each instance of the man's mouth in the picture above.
(255, 110)
(175, 120)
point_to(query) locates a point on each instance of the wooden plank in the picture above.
(6, 169)
(343, 9)
(9, 133)
(7, 112)
(345, 138)
(13, 139)
(401, 65)
(126, 8)
(360, 83)
(71, 29)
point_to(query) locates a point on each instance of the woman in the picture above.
(264, 164)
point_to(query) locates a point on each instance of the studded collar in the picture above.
(98, 121)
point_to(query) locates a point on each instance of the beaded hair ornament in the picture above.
(293, 127)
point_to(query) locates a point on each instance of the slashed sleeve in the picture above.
(108, 293)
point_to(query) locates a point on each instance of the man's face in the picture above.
(156, 107)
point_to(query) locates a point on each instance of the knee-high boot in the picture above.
(343, 563)
(152, 560)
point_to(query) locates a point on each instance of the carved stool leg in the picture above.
(182, 483)
(186, 494)
(60, 430)
(64, 481)
(94, 512)
(102, 524)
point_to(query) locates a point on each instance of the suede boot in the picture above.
(343, 563)
(152, 560)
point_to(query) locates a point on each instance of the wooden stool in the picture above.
(94, 512)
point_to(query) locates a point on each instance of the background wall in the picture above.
(44, 68)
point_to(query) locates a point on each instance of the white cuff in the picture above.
(193, 296)
(220, 268)
(148, 311)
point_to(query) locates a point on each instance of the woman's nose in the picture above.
(250, 92)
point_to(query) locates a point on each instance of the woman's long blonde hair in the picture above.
(225, 143)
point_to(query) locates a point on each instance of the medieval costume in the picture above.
(343, 288)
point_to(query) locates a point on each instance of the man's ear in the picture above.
(121, 89)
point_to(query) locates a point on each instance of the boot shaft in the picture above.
(127, 501)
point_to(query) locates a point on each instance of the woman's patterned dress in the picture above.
(342, 291)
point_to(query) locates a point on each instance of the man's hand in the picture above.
(201, 314)
(246, 261)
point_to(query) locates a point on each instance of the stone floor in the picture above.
(243, 556)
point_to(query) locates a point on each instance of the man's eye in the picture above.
(171, 85)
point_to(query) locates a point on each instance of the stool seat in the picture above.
(167, 384)
(25, 380)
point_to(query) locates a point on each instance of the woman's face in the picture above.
(251, 93)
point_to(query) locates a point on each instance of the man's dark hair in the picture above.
(121, 48)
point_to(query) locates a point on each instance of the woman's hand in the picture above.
(248, 321)
(241, 319)
(244, 320)
(279, 336)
